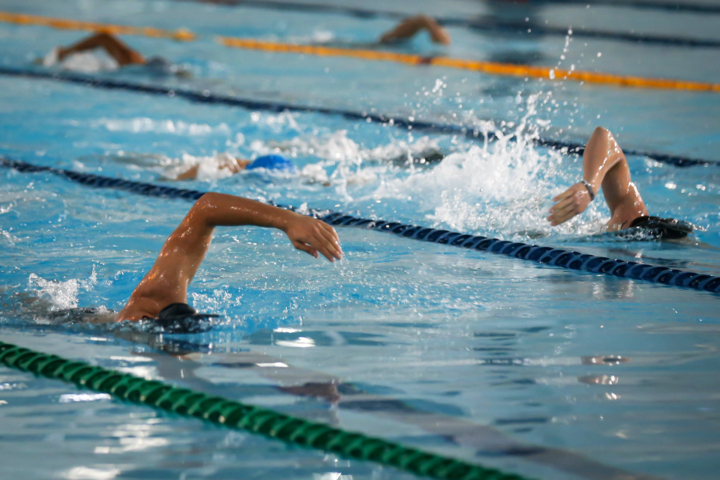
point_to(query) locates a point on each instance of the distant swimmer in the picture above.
(605, 166)
(161, 296)
(410, 27)
(223, 165)
(87, 56)
(226, 163)
(405, 30)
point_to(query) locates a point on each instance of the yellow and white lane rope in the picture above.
(490, 68)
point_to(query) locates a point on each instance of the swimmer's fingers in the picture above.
(331, 240)
(314, 234)
(305, 248)
(325, 246)
(572, 202)
(562, 215)
(566, 194)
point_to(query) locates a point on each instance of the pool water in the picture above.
(536, 370)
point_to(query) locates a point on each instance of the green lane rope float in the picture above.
(545, 255)
(239, 416)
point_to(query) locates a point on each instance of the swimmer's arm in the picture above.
(122, 54)
(604, 166)
(411, 26)
(185, 249)
(191, 174)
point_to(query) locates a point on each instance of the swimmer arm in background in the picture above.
(409, 27)
(122, 54)
(184, 250)
(404, 30)
(235, 166)
(604, 165)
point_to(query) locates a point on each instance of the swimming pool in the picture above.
(537, 370)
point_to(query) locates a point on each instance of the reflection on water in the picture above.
(465, 352)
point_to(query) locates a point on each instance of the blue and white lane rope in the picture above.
(206, 97)
(546, 255)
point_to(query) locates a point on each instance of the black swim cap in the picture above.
(660, 228)
(182, 318)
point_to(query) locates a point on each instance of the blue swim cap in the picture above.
(273, 162)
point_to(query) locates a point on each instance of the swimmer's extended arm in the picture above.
(604, 165)
(122, 54)
(411, 26)
(235, 167)
(184, 250)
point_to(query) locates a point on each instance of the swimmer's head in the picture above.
(662, 228)
(273, 162)
(162, 67)
(182, 318)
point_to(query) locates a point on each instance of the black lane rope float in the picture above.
(238, 416)
(482, 23)
(545, 255)
(207, 97)
(673, 6)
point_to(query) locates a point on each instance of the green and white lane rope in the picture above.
(248, 418)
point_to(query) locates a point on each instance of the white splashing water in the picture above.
(148, 125)
(337, 147)
(503, 188)
(343, 161)
(61, 295)
(277, 122)
(318, 36)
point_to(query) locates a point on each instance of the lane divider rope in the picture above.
(672, 5)
(556, 257)
(490, 68)
(248, 418)
(66, 24)
(484, 23)
(206, 97)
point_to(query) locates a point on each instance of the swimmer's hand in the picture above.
(571, 202)
(312, 236)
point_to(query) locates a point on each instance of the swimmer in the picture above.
(405, 30)
(81, 57)
(222, 165)
(410, 27)
(232, 165)
(605, 166)
(161, 296)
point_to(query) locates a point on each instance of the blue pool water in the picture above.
(545, 372)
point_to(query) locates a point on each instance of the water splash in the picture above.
(344, 163)
(61, 295)
(148, 125)
(318, 36)
(502, 188)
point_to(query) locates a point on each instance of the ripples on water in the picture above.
(396, 339)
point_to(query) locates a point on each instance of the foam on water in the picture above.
(503, 188)
(317, 36)
(338, 147)
(148, 125)
(61, 295)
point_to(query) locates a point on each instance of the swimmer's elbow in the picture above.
(202, 212)
(602, 132)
